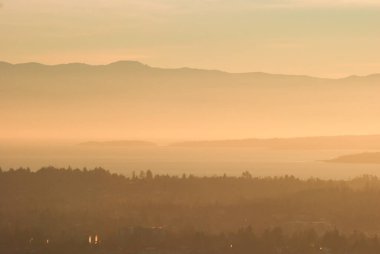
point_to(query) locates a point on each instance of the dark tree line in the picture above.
(54, 209)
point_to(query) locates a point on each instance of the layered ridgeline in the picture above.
(132, 100)
(365, 142)
(358, 158)
(119, 143)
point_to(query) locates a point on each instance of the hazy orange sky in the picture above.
(314, 37)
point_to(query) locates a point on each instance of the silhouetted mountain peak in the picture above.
(128, 64)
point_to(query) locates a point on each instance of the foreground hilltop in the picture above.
(216, 204)
(94, 211)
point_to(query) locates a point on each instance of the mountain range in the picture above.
(370, 142)
(130, 100)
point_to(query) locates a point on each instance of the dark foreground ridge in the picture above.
(94, 211)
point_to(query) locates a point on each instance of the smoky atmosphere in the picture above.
(189, 127)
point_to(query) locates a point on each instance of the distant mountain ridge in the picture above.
(371, 142)
(353, 142)
(119, 143)
(133, 99)
(127, 64)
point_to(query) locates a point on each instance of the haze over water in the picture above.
(206, 161)
(189, 126)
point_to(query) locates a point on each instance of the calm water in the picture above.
(198, 161)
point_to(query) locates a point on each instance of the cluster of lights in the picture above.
(93, 240)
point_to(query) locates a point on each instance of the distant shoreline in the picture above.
(358, 158)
